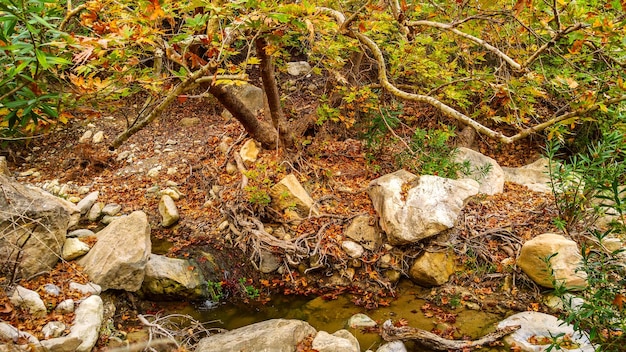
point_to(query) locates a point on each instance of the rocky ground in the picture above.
(191, 148)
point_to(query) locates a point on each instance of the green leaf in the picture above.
(41, 58)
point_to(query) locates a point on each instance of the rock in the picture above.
(107, 219)
(88, 288)
(87, 321)
(74, 248)
(269, 262)
(252, 97)
(154, 172)
(361, 320)
(173, 193)
(34, 221)
(482, 169)
(168, 211)
(53, 329)
(52, 289)
(432, 268)
(4, 167)
(80, 233)
(361, 231)
(340, 341)
(535, 176)
(394, 346)
(539, 325)
(298, 68)
(28, 300)
(289, 194)
(249, 151)
(65, 306)
(352, 249)
(61, 344)
(564, 265)
(189, 121)
(86, 203)
(412, 208)
(11, 333)
(111, 209)
(118, 259)
(98, 137)
(95, 212)
(172, 278)
(275, 335)
(86, 137)
(123, 155)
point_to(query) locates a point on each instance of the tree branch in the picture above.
(550, 43)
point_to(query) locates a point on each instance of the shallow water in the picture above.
(333, 315)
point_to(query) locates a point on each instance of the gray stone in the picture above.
(535, 176)
(289, 194)
(361, 231)
(432, 268)
(252, 97)
(87, 322)
(275, 335)
(412, 208)
(80, 233)
(53, 329)
(564, 265)
(107, 219)
(86, 137)
(538, 325)
(74, 248)
(88, 288)
(111, 209)
(60, 344)
(11, 333)
(298, 68)
(483, 169)
(189, 121)
(393, 346)
(98, 137)
(86, 203)
(352, 249)
(29, 300)
(34, 221)
(171, 278)
(269, 262)
(118, 259)
(168, 211)
(65, 306)
(340, 341)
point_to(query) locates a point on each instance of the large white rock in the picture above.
(87, 321)
(483, 169)
(563, 265)
(367, 235)
(119, 258)
(168, 211)
(340, 341)
(412, 208)
(393, 346)
(11, 333)
(34, 221)
(535, 176)
(171, 277)
(288, 193)
(276, 335)
(538, 325)
(74, 248)
(86, 203)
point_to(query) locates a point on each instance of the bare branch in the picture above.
(70, 14)
(552, 41)
(449, 27)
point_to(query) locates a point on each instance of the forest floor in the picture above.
(333, 167)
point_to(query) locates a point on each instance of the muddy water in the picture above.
(332, 315)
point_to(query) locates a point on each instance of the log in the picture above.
(438, 343)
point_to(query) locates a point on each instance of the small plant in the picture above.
(246, 287)
(216, 292)
(257, 196)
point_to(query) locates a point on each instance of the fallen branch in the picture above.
(438, 343)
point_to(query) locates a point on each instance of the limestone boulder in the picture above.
(169, 212)
(535, 176)
(432, 268)
(74, 248)
(119, 258)
(268, 262)
(483, 169)
(364, 232)
(276, 335)
(340, 341)
(564, 262)
(412, 208)
(251, 96)
(172, 278)
(28, 300)
(288, 193)
(86, 203)
(393, 346)
(540, 327)
(33, 226)
(87, 322)
(298, 68)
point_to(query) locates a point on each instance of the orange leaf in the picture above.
(618, 301)
(182, 99)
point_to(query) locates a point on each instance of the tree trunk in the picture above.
(272, 93)
(262, 132)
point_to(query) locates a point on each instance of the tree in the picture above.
(518, 68)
